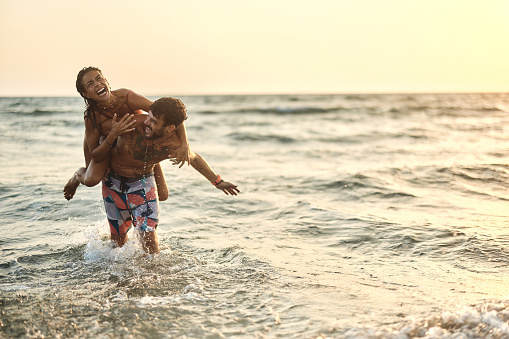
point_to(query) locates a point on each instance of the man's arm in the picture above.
(201, 166)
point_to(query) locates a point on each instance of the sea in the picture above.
(360, 216)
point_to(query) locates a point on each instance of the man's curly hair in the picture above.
(171, 110)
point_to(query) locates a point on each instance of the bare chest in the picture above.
(135, 147)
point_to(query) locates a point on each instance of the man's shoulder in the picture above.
(140, 118)
(140, 122)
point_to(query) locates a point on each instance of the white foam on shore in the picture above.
(489, 320)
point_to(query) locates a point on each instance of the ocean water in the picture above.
(361, 216)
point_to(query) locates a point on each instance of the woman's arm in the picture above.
(100, 151)
(183, 153)
(92, 137)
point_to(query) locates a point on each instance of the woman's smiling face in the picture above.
(96, 86)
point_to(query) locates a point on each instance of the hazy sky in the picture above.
(164, 47)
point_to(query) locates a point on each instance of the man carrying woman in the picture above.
(109, 114)
(123, 148)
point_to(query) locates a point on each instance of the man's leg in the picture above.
(150, 242)
(144, 202)
(118, 240)
(117, 211)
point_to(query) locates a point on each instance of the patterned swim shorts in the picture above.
(130, 201)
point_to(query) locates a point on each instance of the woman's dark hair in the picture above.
(91, 104)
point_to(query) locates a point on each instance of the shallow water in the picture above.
(371, 216)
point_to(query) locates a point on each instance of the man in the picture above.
(129, 189)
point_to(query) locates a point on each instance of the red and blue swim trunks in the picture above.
(130, 202)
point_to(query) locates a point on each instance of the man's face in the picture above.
(96, 86)
(153, 127)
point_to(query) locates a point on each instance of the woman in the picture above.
(109, 114)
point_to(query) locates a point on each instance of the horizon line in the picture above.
(272, 94)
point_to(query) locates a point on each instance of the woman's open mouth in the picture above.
(102, 91)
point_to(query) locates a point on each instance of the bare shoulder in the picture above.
(126, 94)
(121, 95)
(136, 101)
(121, 92)
(140, 121)
(140, 118)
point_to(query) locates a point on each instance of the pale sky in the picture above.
(165, 47)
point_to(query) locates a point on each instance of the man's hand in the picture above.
(228, 188)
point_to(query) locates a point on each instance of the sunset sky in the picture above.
(163, 47)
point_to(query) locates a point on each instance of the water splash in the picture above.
(99, 246)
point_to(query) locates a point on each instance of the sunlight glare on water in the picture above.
(361, 216)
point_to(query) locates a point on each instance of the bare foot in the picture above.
(71, 186)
